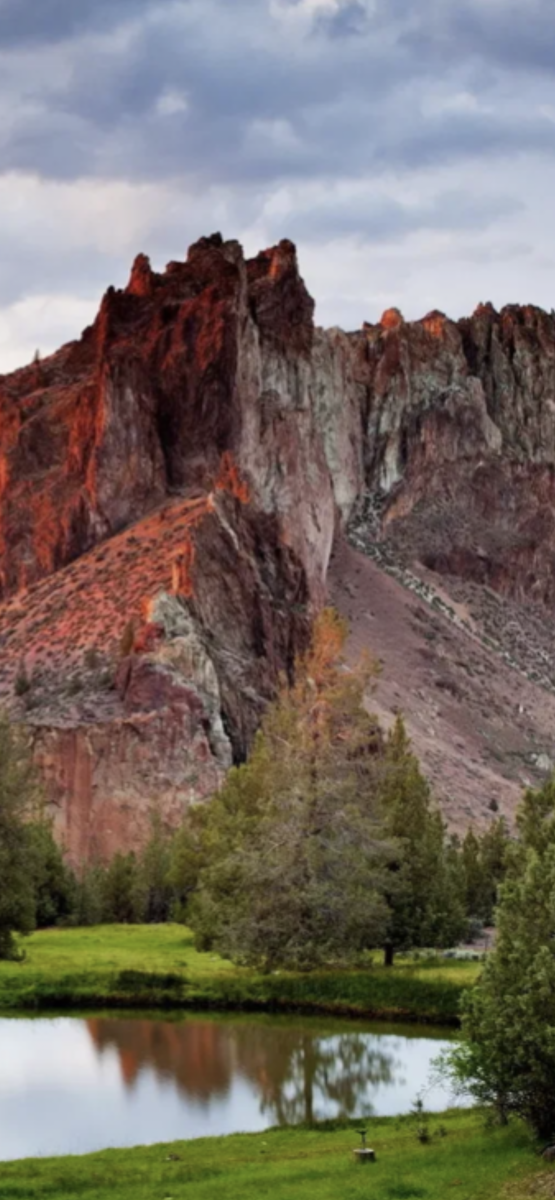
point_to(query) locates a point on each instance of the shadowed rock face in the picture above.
(460, 439)
(179, 476)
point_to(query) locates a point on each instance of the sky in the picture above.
(406, 146)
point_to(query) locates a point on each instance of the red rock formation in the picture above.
(184, 416)
(461, 442)
(185, 466)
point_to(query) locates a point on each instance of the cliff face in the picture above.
(171, 486)
(215, 356)
(173, 477)
(460, 441)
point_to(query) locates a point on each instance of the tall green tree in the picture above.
(475, 882)
(294, 845)
(507, 1056)
(153, 892)
(54, 884)
(495, 846)
(425, 900)
(187, 859)
(19, 799)
(484, 863)
(89, 906)
(119, 890)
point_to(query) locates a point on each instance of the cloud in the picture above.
(378, 124)
(208, 91)
(347, 20)
(24, 22)
(41, 323)
(357, 212)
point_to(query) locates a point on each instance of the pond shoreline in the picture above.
(81, 1084)
(51, 997)
(302, 1162)
(68, 1005)
(156, 967)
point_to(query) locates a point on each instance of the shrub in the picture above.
(22, 684)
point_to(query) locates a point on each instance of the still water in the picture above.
(71, 1085)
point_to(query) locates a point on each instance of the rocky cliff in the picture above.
(171, 488)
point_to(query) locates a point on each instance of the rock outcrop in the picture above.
(460, 441)
(171, 486)
(176, 472)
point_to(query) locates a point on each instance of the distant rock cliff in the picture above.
(171, 487)
(460, 437)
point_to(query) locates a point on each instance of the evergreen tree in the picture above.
(153, 892)
(494, 850)
(119, 889)
(187, 858)
(294, 847)
(475, 882)
(507, 1057)
(54, 884)
(18, 799)
(425, 902)
(89, 896)
(484, 862)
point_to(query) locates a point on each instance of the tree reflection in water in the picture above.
(301, 1072)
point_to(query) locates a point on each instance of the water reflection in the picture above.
(69, 1086)
(301, 1073)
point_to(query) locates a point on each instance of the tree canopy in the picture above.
(425, 900)
(295, 847)
(507, 1057)
(18, 799)
(325, 843)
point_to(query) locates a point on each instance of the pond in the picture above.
(69, 1085)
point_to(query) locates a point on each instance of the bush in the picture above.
(22, 684)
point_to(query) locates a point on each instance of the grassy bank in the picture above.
(468, 1162)
(157, 966)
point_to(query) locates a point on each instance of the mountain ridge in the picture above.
(184, 471)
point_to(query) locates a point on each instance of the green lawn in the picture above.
(157, 965)
(468, 1163)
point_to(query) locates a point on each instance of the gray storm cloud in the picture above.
(269, 117)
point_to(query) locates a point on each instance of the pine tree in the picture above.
(294, 848)
(507, 1057)
(153, 892)
(19, 797)
(89, 896)
(119, 890)
(54, 884)
(426, 909)
(187, 859)
(475, 882)
(495, 846)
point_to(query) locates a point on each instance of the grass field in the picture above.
(468, 1163)
(157, 966)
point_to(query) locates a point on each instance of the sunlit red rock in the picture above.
(183, 470)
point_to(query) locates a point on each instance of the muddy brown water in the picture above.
(69, 1085)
